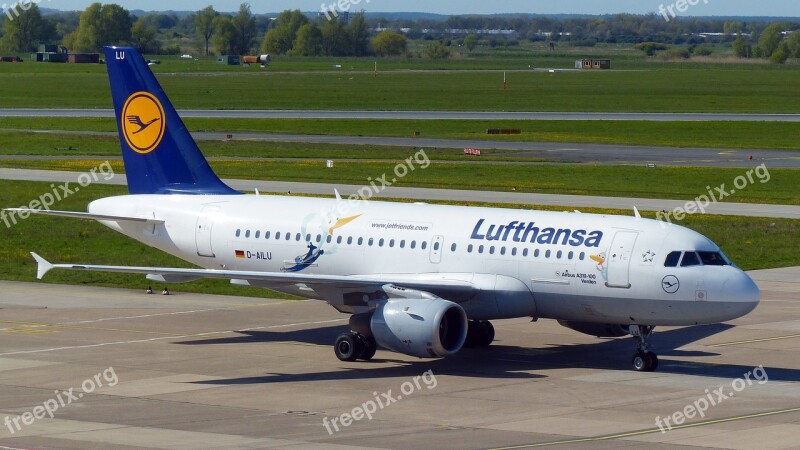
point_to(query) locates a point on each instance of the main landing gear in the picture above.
(480, 333)
(643, 360)
(351, 346)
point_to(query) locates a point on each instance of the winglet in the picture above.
(44, 266)
(636, 212)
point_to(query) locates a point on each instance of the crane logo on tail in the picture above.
(143, 122)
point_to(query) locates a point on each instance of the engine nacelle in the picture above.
(597, 329)
(427, 327)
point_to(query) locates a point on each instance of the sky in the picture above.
(785, 8)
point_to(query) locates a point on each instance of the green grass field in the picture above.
(655, 88)
(682, 183)
(752, 243)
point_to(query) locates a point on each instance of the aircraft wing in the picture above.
(84, 215)
(411, 281)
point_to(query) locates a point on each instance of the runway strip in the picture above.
(569, 202)
(419, 115)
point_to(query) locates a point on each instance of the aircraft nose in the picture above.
(741, 293)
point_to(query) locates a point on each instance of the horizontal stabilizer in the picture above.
(84, 215)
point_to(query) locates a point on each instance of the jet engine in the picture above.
(426, 327)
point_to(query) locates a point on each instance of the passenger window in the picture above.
(469, 248)
(278, 235)
(690, 259)
(247, 234)
(361, 241)
(370, 242)
(424, 245)
(308, 237)
(329, 239)
(546, 254)
(436, 246)
(288, 236)
(536, 253)
(491, 250)
(480, 249)
(319, 238)
(258, 234)
(339, 240)
(558, 255)
(266, 235)
(582, 256)
(525, 252)
(514, 251)
(672, 259)
(453, 248)
(502, 250)
(349, 240)
(570, 255)
(391, 243)
(413, 244)
(403, 243)
(380, 243)
(238, 233)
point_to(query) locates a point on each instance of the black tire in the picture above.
(640, 362)
(486, 333)
(652, 361)
(369, 347)
(348, 347)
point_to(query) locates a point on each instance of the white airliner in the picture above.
(423, 280)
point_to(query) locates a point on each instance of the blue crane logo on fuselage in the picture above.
(307, 260)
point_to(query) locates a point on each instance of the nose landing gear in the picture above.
(643, 360)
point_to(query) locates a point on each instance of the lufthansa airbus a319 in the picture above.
(423, 280)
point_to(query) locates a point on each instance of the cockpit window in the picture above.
(690, 259)
(712, 259)
(672, 259)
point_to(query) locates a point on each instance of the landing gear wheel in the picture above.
(652, 361)
(486, 333)
(369, 347)
(348, 346)
(480, 333)
(643, 360)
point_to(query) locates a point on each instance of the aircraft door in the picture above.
(205, 223)
(437, 247)
(619, 259)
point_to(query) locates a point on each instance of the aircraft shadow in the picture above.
(505, 361)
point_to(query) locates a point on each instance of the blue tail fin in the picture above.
(159, 153)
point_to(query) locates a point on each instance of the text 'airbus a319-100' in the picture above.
(419, 279)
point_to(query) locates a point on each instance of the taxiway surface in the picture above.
(197, 371)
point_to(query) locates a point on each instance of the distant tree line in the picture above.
(295, 33)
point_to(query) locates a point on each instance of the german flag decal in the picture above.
(239, 254)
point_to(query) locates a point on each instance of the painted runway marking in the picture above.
(750, 341)
(185, 336)
(649, 431)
